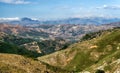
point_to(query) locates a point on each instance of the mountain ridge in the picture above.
(82, 21)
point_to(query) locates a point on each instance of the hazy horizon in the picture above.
(59, 9)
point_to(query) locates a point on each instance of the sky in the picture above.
(58, 9)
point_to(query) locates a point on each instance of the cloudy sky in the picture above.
(57, 9)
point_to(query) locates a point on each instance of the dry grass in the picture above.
(11, 63)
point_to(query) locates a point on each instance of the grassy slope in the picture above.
(83, 55)
(110, 63)
(11, 63)
(105, 45)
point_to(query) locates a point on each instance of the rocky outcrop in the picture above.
(33, 46)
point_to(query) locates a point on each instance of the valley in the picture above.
(62, 48)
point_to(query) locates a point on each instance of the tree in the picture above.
(100, 71)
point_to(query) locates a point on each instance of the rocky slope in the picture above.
(100, 53)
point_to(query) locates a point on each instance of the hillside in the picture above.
(29, 47)
(12, 44)
(101, 53)
(11, 63)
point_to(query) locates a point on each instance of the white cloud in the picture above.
(109, 7)
(9, 19)
(15, 1)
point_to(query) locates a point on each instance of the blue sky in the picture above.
(58, 9)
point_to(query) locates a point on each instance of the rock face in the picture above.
(33, 46)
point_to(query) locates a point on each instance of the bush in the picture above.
(100, 71)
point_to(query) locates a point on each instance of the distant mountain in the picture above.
(83, 21)
(117, 24)
(47, 32)
(25, 21)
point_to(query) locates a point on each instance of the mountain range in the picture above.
(45, 32)
(82, 21)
